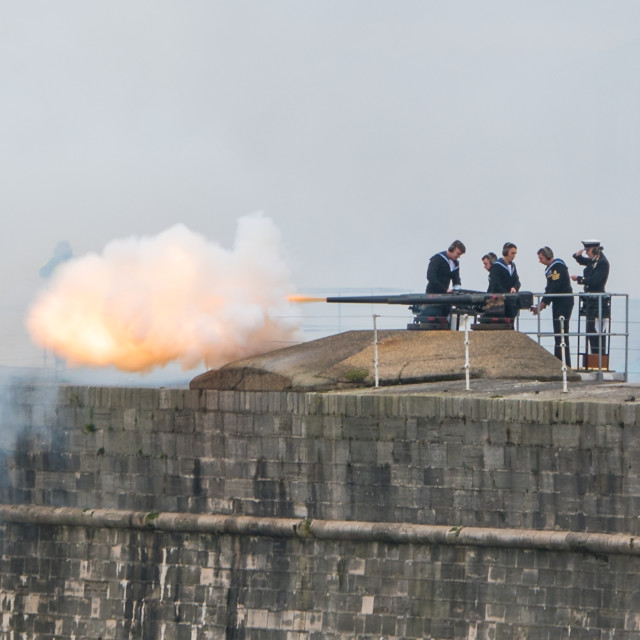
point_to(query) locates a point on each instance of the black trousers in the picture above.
(594, 341)
(596, 310)
(558, 326)
(562, 308)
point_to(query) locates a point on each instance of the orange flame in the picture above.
(305, 299)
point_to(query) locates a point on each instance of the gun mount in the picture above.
(433, 311)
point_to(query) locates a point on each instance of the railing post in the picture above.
(375, 352)
(599, 376)
(563, 346)
(467, 366)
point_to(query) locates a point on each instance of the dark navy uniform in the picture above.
(559, 281)
(594, 278)
(502, 278)
(595, 274)
(442, 272)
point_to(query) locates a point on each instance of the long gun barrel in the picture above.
(432, 311)
(523, 298)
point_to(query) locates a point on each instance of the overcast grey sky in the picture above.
(372, 133)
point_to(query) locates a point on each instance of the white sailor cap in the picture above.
(591, 244)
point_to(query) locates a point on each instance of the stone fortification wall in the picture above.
(291, 461)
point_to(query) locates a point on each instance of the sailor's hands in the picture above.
(539, 308)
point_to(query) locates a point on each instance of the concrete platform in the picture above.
(346, 361)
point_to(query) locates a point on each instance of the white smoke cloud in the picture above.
(149, 301)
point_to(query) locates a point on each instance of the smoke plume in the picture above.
(149, 301)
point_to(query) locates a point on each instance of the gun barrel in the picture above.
(524, 298)
(412, 298)
(361, 299)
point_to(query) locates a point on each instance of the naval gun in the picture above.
(433, 311)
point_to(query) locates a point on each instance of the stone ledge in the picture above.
(578, 542)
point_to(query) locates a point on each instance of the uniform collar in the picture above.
(555, 262)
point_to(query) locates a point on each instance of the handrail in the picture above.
(604, 335)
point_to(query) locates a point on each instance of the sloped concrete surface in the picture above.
(346, 360)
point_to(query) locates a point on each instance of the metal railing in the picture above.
(615, 338)
(598, 361)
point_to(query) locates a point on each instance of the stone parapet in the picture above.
(184, 514)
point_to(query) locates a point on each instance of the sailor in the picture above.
(594, 279)
(488, 259)
(444, 269)
(503, 278)
(443, 272)
(558, 281)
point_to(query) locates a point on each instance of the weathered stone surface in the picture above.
(346, 360)
(507, 456)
